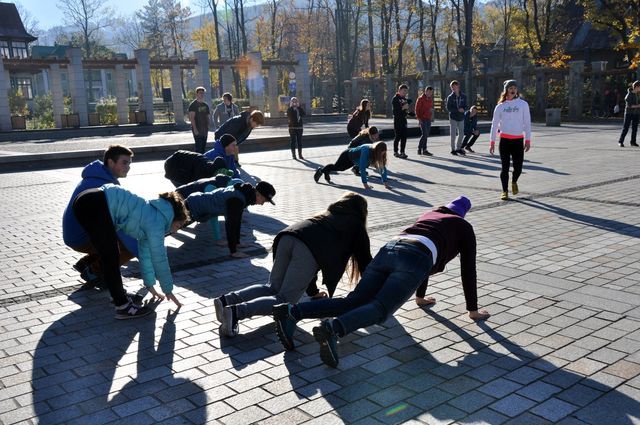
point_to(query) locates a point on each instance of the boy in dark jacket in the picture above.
(240, 127)
(116, 164)
(456, 105)
(631, 114)
(471, 132)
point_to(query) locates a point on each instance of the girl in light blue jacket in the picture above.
(104, 211)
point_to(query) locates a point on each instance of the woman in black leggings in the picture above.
(513, 120)
(362, 156)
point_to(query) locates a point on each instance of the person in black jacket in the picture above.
(471, 132)
(184, 167)
(401, 267)
(295, 112)
(400, 105)
(325, 242)
(240, 127)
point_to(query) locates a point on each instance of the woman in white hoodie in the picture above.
(513, 120)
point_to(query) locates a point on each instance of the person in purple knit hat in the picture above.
(400, 268)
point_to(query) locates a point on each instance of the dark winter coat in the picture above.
(184, 167)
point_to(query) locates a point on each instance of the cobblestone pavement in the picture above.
(558, 270)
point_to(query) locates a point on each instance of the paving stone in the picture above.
(512, 405)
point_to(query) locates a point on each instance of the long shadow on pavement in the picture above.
(77, 377)
(386, 375)
(605, 224)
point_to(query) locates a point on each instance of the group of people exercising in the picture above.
(111, 225)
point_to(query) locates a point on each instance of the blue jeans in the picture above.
(387, 283)
(425, 126)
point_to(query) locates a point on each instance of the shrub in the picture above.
(108, 111)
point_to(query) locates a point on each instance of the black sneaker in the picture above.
(219, 304)
(427, 153)
(131, 311)
(317, 174)
(285, 325)
(403, 156)
(396, 154)
(469, 149)
(326, 176)
(229, 322)
(328, 343)
(634, 144)
(454, 153)
(461, 152)
(621, 144)
(419, 151)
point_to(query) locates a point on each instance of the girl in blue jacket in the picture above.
(108, 209)
(362, 156)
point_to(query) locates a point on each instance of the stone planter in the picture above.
(137, 117)
(552, 117)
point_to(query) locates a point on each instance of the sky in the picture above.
(48, 14)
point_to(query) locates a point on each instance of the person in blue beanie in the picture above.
(225, 147)
(103, 211)
(116, 164)
(401, 267)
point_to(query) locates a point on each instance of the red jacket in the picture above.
(424, 108)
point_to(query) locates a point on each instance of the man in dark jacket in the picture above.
(116, 164)
(240, 127)
(184, 167)
(631, 114)
(456, 105)
(400, 107)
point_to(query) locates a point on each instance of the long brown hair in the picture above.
(503, 96)
(363, 105)
(180, 211)
(378, 155)
(356, 205)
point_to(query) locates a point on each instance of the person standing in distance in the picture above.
(512, 118)
(631, 114)
(400, 106)
(424, 114)
(456, 105)
(199, 115)
(224, 111)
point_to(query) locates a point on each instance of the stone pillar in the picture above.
(378, 95)
(45, 81)
(492, 93)
(597, 86)
(176, 94)
(122, 105)
(5, 86)
(390, 90)
(347, 95)
(272, 90)
(576, 71)
(76, 85)
(355, 94)
(255, 82)
(517, 75)
(203, 78)
(143, 76)
(541, 92)
(103, 81)
(412, 82)
(327, 96)
(303, 82)
(227, 80)
(57, 96)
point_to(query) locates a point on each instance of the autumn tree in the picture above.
(622, 18)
